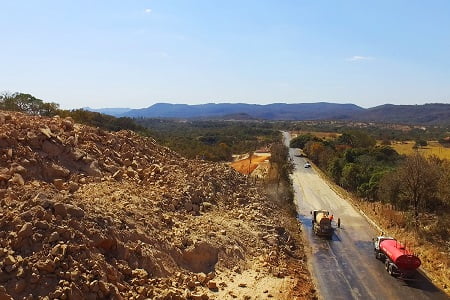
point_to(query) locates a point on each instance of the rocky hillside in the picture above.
(89, 214)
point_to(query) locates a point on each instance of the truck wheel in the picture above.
(390, 270)
(386, 264)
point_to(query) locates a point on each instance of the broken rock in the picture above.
(47, 266)
(60, 209)
(25, 231)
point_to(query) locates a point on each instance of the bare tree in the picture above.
(418, 181)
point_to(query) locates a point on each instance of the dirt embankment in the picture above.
(89, 214)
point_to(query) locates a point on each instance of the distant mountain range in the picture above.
(388, 113)
(418, 114)
(109, 111)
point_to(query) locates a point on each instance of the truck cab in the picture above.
(377, 240)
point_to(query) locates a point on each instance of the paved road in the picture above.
(345, 267)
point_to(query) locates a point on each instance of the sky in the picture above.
(134, 53)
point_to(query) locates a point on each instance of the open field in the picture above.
(433, 148)
(319, 134)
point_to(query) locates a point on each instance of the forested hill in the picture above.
(427, 114)
(276, 111)
(418, 114)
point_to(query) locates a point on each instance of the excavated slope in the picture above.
(90, 214)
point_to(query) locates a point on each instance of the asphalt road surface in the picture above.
(344, 266)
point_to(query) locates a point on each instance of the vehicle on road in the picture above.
(321, 223)
(398, 260)
(307, 165)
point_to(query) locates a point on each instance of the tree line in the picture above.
(211, 140)
(384, 132)
(29, 104)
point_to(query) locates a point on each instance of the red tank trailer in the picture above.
(399, 261)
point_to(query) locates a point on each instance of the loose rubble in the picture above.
(90, 214)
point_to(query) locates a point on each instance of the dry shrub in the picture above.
(440, 229)
(392, 217)
(400, 219)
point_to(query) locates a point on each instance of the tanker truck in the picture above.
(321, 223)
(398, 260)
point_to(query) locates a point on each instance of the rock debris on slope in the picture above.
(90, 214)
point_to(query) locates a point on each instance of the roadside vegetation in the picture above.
(414, 184)
(279, 183)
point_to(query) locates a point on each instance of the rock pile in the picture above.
(89, 214)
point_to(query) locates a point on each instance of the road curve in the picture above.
(345, 267)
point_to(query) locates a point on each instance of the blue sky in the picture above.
(116, 53)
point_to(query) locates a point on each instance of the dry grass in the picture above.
(319, 134)
(433, 148)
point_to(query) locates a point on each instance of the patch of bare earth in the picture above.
(247, 166)
(90, 214)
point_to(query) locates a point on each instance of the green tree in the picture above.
(335, 169)
(369, 189)
(420, 143)
(301, 140)
(314, 150)
(356, 139)
(390, 190)
(28, 104)
(351, 176)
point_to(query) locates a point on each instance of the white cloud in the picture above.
(148, 10)
(164, 54)
(359, 58)
(159, 54)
